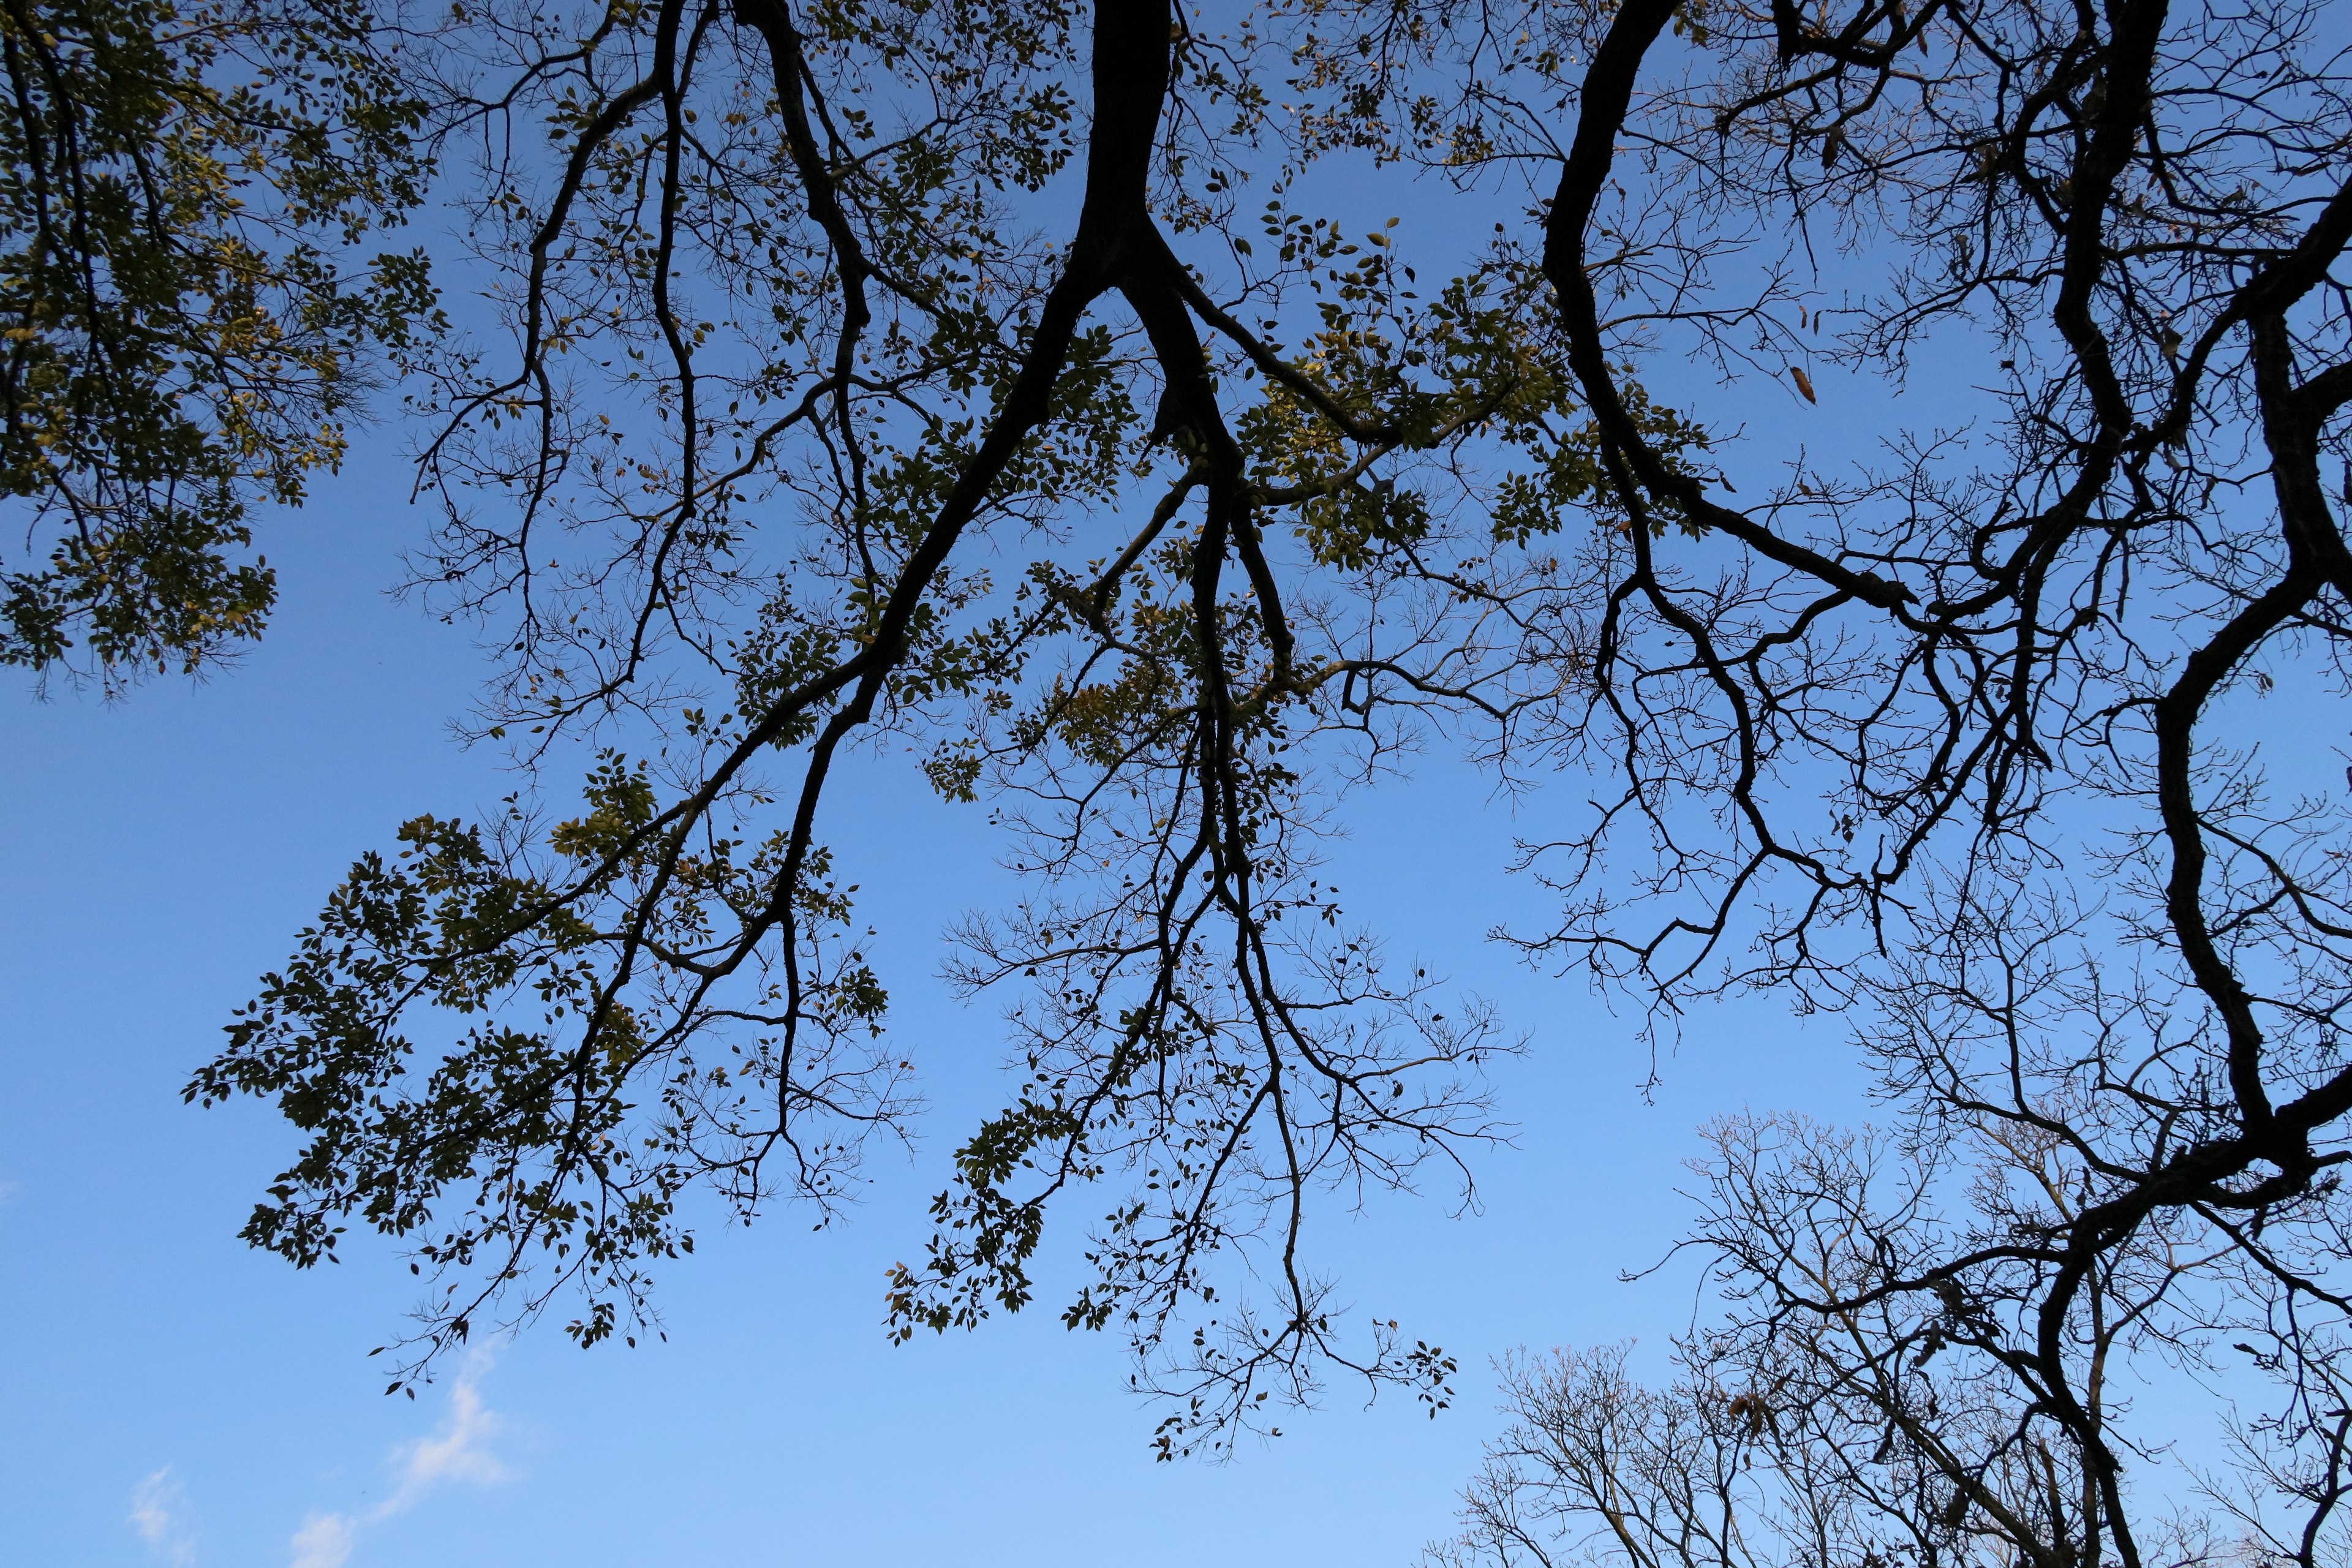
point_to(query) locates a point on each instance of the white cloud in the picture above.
(152, 1505)
(324, 1542)
(458, 1451)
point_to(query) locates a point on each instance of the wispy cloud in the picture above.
(153, 1514)
(458, 1451)
(324, 1542)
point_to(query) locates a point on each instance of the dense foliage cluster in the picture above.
(183, 191)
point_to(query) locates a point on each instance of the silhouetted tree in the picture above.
(1951, 732)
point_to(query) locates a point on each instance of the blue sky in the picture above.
(177, 1399)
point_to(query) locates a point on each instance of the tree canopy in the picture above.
(1015, 383)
